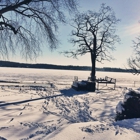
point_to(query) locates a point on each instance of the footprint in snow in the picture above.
(20, 113)
(2, 138)
(117, 132)
(23, 107)
(11, 120)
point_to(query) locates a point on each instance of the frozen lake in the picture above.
(42, 75)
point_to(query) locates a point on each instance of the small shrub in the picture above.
(130, 107)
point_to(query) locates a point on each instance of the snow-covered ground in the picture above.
(43, 106)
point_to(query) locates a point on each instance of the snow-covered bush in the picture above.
(130, 107)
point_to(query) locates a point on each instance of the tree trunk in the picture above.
(93, 71)
(93, 61)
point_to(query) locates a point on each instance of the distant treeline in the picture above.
(51, 66)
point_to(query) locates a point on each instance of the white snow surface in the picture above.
(43, 106)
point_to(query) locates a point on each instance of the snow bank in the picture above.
(119, 107)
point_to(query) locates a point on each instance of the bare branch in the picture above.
(33, 23)
(96, 32)
(134, 62)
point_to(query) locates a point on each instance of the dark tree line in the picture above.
(62, 67)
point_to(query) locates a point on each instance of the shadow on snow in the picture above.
(65, 92)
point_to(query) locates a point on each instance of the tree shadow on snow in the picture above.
(65, 92)
(25, 101)
(72, 92)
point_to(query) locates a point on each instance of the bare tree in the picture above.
(95, 34)
(26, 25)
(134, 61)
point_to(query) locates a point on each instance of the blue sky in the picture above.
(128, 29)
